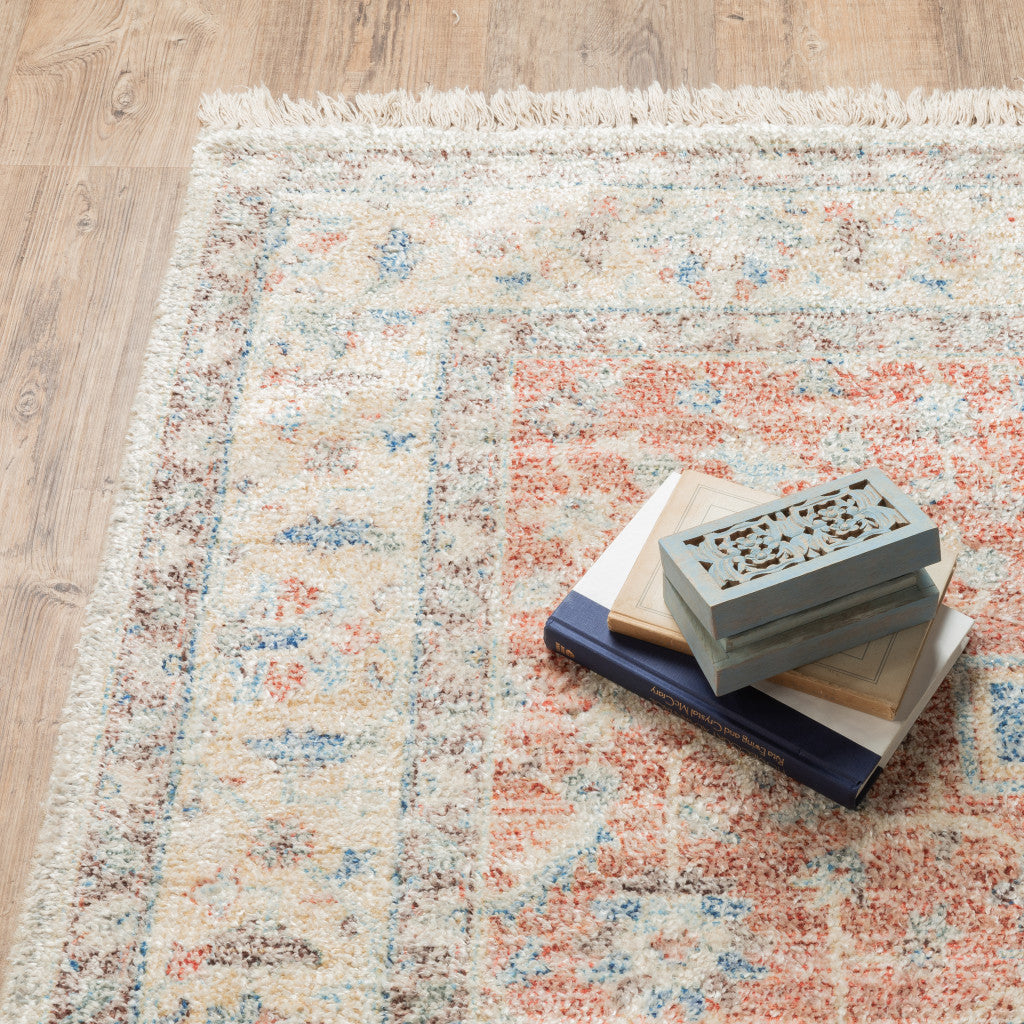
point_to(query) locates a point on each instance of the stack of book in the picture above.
(832, 724)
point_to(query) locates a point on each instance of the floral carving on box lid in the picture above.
(798, 533)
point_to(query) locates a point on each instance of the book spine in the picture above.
(588, 651)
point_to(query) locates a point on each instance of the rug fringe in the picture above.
(618, 108)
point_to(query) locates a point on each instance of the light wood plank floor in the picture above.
(95, 138)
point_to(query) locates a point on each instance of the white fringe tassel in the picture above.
(618, 108)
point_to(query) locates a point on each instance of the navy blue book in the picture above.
(834, 750)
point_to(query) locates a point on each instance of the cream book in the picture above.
(871, 677)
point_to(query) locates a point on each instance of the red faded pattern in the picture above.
(790, 899)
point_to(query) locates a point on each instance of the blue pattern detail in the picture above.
(315, 533)
(755, 270)
(700, 396)
(817, 380)
(722, 909)
(394, 260)
(690, 270)
(616, 909)
(525, 964)
(940, 284)
(736, 966)
(760, 473)
(659, 999)
(607, 969)
(513, 280)
(559, 874)
(395, 442)
(1008, 712)
(353, 862)
(271, 639)
(308, 749)
(249, 1009)
(839, 872)
(287, 419)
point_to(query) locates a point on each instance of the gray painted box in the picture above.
(839, 630)
(798, 552)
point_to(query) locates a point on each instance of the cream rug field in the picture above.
(418, 360)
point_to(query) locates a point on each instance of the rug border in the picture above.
(521, 108)
(40, 934)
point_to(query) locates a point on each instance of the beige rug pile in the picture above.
(418, 361)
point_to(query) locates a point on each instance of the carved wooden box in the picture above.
(758, 653)
(800, 578)
(798, 552)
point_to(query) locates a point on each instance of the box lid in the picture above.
(798, 551)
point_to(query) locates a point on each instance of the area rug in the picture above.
(417, 361)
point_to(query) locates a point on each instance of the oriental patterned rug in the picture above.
(417, 361)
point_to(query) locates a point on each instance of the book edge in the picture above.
(846, 789)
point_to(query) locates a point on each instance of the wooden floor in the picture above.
(97, 126)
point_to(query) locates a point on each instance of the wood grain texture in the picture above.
(841, 40)
(93, 82)
(332, 47)
(754, 43)
(983, 42)
(598, 43)
(13, 16)
(900, 44)
(77, 305)
(97, 126)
